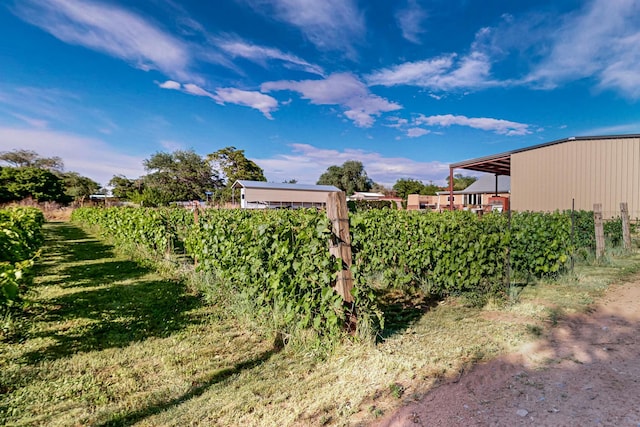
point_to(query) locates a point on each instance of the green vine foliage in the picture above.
(155, 231)
(540, 243)
(584, 237)
(20, 239)
(443, 253)
(366, 205)
(278, 260)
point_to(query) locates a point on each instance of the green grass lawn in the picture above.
(107, 341)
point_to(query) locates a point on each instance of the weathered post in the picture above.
(626, 231)
(599, 229)
(195, 206)
(340, 244)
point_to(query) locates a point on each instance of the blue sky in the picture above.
(404, 86)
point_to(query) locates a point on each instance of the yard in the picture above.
(109, 341)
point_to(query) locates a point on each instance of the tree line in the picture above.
(185, 175)
(28, 175)
(178, 176)
(351, 177)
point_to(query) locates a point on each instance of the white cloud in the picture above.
(193, 89)
(112, 30)
(410, 20)
(261, 55)
(261, 102)
(417, 132)
(306, 163)
(444, 73)
(396, 122)
(499, 126)
(256, 100)
(339, 89)
(170, 84)
(88, 156)
(328, 24)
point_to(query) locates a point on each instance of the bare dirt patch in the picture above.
(585, 371)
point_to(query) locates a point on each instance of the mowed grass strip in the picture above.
(111, 342)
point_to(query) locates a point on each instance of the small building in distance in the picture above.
(269, 195)
(370, 197)
(420, 202)
(488, 192)
(362, 195)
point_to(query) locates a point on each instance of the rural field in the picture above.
(108, 339)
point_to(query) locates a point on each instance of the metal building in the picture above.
(265, 195)
(581, 170)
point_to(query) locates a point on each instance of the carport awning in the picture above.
(499, 164)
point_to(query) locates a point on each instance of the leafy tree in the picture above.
(28, 158)
(430, 189)
(460, 182)
(233, 165)
(406, 186)
(125, 188)
(350, 177)
(181, 175)
(79, 187)
(26, 181)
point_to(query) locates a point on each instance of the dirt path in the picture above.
(586, 372)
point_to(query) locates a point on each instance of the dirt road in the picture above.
(585, 372)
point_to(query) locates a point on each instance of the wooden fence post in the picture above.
(340, 245)
(626, 232)
(599, 229)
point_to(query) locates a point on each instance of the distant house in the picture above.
(269, 195)
(486, 193)
(420, 201)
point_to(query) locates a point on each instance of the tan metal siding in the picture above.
(589, 171)
(285, 196)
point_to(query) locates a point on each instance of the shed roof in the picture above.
(283, 186)
(485, 184)
(500, 164)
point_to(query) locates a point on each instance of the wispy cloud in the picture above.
(361, 106)
(253, 99)
(31, 121)
(599, 41)
(36, 105)
(444, 73)
(328, 24)
(238, 48)
(417, 132)
(499, 126)
(171, 145)
(115, 31)
(630, 128)
(88, 156)
(410, 19)
(306, 163)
